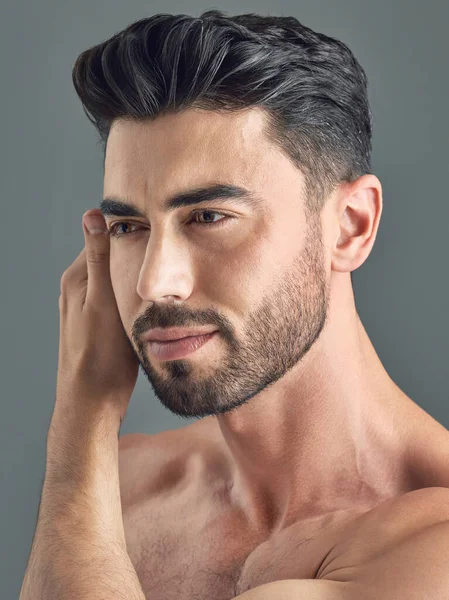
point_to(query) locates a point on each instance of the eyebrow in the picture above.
(114, 206)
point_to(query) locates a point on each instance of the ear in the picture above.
(358, 209)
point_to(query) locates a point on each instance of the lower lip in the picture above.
(179, 348)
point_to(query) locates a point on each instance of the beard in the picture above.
(275, 338)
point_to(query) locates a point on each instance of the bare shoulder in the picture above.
(402, 545)
(150, 463)
(142, 457)
(303, 589)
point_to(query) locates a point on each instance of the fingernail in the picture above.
(94, 224)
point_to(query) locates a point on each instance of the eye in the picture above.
(112, 231)
(213, 223)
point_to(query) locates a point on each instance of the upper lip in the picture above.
(174, 333)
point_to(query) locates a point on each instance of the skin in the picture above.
(334, 394)
(292, 354)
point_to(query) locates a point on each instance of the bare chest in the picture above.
(184, 551)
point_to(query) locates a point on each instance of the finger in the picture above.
(75, 276)
(97, 256)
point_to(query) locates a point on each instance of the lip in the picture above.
(179, 348)
(174, 333)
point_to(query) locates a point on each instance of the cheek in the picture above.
(124, 281)
(238, 279)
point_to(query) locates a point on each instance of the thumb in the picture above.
(94, 221)
(97, 255)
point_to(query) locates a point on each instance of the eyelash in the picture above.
(224, 221)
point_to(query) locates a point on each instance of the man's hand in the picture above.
(97, 367)
(79, 548)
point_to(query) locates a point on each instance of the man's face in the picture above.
(260, 279)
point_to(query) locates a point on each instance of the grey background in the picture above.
(51, 173)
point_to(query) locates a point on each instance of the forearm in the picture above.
(73, 568)
(79, 548)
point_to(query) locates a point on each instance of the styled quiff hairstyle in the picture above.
(313, 89)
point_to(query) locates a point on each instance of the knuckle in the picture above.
(65, 279)
(95, 257)
(69, 280)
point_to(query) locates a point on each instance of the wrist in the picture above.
(81, 447)
(80, 419)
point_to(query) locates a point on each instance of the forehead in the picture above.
(188, 149)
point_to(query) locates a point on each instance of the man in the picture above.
(238, 199)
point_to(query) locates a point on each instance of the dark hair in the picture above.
(313, 89)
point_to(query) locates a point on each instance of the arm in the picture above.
(79, 548)
(304, 589)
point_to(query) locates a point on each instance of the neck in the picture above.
(320, 439)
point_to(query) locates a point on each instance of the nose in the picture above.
(165, 275)
(171, 300)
